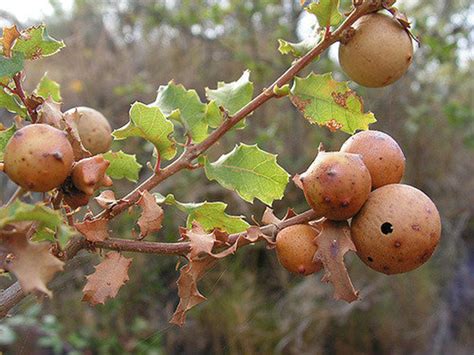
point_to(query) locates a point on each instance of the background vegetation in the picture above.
(121, 51)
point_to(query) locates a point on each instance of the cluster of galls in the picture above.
(395, 227)
(40, 157)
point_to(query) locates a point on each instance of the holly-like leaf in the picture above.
(94, 231)
(148, 122)
(10, 103)
(122, 165)
(5, 136)
(249, 171)
(35, 43)
(298, 49)
(9, 36)
(185, 106)
(210, 215)
(31, 263)
(232, 96)
(329, 103)
(333, 243)
(109, 276)
(151, 219)
(326, 11)
(48, 88)
(11, 66)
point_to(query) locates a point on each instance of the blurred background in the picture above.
(121, 51)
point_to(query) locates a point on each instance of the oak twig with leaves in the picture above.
(37, 239)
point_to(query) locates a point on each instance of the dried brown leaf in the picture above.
(50, 113)
(201, 242)
(70, 126)
(94, 231)
(333, 243)
(269, 217)
(106, 199)
(189, 295)
(32, 263)
(152, 215)
(108, 277)
(10, 34)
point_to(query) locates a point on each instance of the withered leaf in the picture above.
(333, 243)
(201, 258)
(269, 217)
(95, 230)
(10, 34)
(106, 199)
(152, 214)
(108, 277)
(189, 295)
(32, 263)
(50, 113)
(70, 126)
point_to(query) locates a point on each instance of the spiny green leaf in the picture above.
(327, 12)
(297, 49)
(232, 96)
(5, 136)
(9, 102)
(185, 106)
(122, 165)
(249, 171)
(35, 43)
(210, 215)
(326, 102)
(47, 87)
(19, 211)
(148, 122)
(11, 66)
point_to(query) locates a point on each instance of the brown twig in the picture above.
(18, 91)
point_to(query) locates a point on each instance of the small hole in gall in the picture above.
(386, 228)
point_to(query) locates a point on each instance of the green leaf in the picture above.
(19, 211)
(47, 87)
(326, 102)
(9, 102)
(62, 235)
(35, 43)
(122, 165)
(213, 114)
(11, 66)
(232, 96)
(297, 49)
(210, 215)
(50, 222)
(5, 136)
(185, 106)
(148, 122)
(249, 171)
(327, 12)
